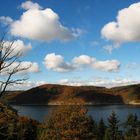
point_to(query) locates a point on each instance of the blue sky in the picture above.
(75, 42)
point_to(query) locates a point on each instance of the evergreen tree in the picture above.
(101, 130)
(112, 132)
(132, 126)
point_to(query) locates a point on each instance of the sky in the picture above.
(75, 42)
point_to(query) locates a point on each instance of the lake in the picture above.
(97, 112)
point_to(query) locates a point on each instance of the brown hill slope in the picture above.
(57, 94)
(130, 94)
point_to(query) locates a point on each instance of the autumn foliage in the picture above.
(68, 122)
(15, 127)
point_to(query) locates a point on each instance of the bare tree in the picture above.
(10, 65)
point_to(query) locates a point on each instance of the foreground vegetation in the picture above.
(67, 123)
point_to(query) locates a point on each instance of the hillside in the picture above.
(130, 94)
(57, 94)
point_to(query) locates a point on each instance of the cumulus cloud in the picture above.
(30, 67)
(6, 20)
(83, 60)
(25, 85)
(103, 82)
(17, 47)
(33, 67)
(56, 63)
(126, 28)
(30, 5)
(107, 65)
(40, 24)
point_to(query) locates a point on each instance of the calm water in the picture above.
(97, 112)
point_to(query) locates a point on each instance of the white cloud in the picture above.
(82, 60)
(103, 82)
(56, 63)
(126, 28)
(17, 47)
(30, 5)
(25, 85)
(6, 20)
(107, 65)
(34, 67)
(41, 24)
(63, 81)
(108, 49)
(30, 67)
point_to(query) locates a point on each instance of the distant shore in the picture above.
(86, 104)
(134, 103)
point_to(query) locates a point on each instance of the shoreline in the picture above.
(86, 104)
(134, 103)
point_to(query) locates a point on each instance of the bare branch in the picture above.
(10, 65)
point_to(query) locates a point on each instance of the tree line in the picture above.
(73, 123)
(67, 122)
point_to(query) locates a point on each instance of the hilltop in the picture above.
(51, 94)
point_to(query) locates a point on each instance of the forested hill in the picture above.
(56, 94)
